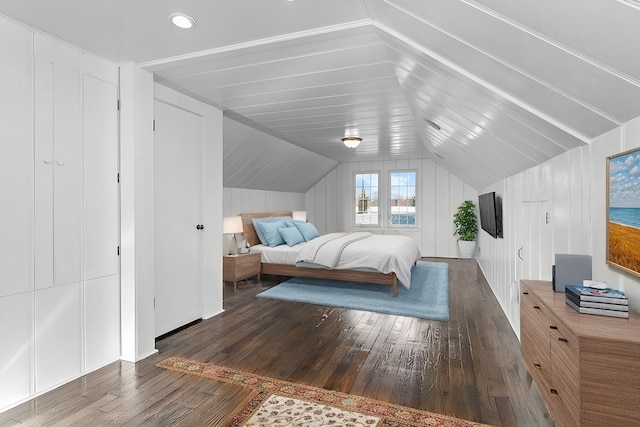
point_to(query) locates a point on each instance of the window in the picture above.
(366, 198)
(402, 203)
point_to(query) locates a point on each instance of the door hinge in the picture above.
(154, 125)
(118, 250)
(118, 176)
(118, 104)
(154, 303)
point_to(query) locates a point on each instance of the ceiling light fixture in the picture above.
(351, 141)
(433, 125)
(183, 21)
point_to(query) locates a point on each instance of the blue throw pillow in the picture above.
(308, 230)
(270, 232)
(257, 221)
(291, 235)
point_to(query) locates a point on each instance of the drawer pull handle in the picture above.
(553, 327)
(563, 340)
(537, 307)
(554, 391)
(525, 292)
(537, 366)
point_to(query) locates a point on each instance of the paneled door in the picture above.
(178, 154)
(535, 245)
(58, 170)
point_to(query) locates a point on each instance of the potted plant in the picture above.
(466, 223)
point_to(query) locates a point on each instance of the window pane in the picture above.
(403, 198)
(366, 198)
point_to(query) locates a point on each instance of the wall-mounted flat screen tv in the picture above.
(490, 206)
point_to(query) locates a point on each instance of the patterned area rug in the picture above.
(278, 403)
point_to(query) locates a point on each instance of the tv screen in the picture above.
(487, 207)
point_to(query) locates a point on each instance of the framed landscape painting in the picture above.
(623, 211)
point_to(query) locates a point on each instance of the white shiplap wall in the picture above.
(574, 187)
(440, 193)
(556, 188)
(242, 200)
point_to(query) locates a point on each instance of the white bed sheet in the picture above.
(363, 250)
(283, 254)
(364, 256)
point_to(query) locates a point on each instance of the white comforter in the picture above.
(363, 251)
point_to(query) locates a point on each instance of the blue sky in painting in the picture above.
(624, 181)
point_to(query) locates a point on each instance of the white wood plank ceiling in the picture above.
(509, 84)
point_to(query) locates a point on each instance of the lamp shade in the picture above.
(299, 215)
(232, 225)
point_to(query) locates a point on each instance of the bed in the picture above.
(282, 260)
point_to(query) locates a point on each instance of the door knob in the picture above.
(200, 227)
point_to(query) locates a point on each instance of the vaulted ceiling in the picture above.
(485, 88)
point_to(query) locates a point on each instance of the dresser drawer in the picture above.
(534, 337)
(564, 384)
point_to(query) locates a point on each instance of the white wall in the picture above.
(136, 183)
(243, 200)
(329, 203)
(625, 138)
(573, 188)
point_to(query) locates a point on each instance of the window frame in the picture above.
(354, 193)
(389, 193)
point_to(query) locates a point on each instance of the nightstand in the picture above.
(240, 267)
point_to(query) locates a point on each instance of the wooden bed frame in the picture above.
(252, 239)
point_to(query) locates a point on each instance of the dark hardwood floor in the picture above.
(469, 367)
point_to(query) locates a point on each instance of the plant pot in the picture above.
(466, 248)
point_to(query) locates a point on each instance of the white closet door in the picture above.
(43, 174)
(15, 352)
(178, 149)
(16, 152)
(102, 321)
(68, 167)
(535, 242)
(58, 335)
(101, 228)
(58, 174)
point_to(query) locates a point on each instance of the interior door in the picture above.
(178, 151)
(58, 173)
(535, 248)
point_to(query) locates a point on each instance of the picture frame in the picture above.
(623, 211)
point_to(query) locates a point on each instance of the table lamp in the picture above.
(299, 216)
(232, 225)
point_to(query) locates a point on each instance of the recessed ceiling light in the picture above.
(181, 20)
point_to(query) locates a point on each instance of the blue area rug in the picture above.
(427, 298)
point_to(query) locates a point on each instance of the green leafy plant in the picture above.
(466, 221)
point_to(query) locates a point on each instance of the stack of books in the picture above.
(603, 302)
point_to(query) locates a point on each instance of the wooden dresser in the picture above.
(587, 367)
